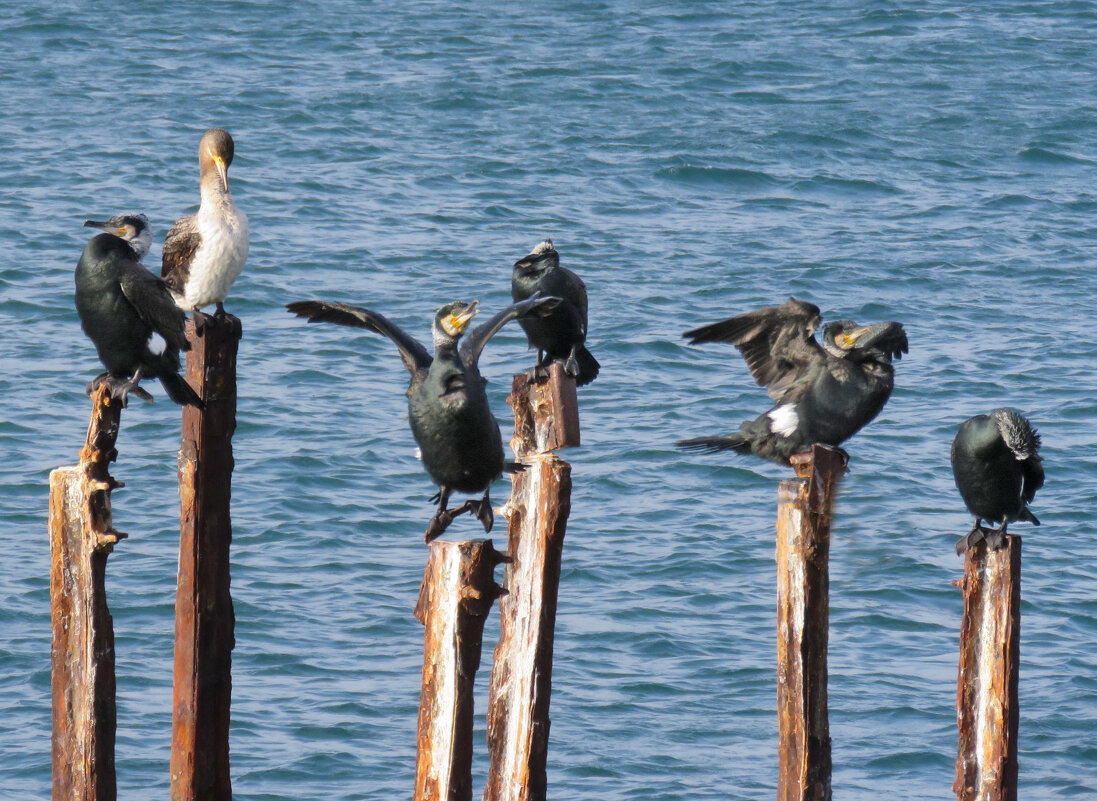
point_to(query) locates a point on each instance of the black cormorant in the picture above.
(561, 334)
(128, 312)
(204, 252)
(451, 420)
(824, 394)
(997, 470)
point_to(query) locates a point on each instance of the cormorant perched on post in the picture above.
(205, 252)
(128, 312)
(561, 334)
(997, 470)
(451, 420)
(824, 394)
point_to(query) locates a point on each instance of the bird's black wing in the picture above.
(152, 300)
(474, 343)
(778, 342)
(577, 292)
(182, 241)
(414, 355)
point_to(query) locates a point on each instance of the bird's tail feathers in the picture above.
(180, 391)
(736, 442)
(588, 366)
(1026, 514)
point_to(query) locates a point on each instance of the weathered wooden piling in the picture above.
(545, 418)
(81, 538)
(203, 606)
(803, 613)
(987, 711)
(454, 600)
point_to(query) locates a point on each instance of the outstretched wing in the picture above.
(152, 300)
(778, 342)
(414, 355)
(474, 343)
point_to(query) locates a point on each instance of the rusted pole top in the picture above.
(81, 537)
(204, 618)
(545, 418)
(454, 600)
(987, 711)
(803, 614)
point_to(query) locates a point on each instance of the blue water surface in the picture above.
(924, 163)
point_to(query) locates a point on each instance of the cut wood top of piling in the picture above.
(546, 412)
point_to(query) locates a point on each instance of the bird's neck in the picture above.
(213, 196)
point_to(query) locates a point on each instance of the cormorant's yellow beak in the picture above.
(459, 322)
(222, 172)
(849, 341)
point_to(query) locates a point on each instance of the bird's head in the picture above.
(133, 228)
(453, 319)
(541, 258)
(215, 153)
(879, 341)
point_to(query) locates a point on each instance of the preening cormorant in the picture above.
(448, 410)
(128, 312)
(562, 333)
(205, 252)
(997, 470)
(824, 394)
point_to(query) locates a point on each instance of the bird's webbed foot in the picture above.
(483, 511)
(537, 374)
(996, 537)
(219, 315)
(201, 320)
(977, 534)
(440, 522)
(841, 452)
(513, 467)
(93, 385)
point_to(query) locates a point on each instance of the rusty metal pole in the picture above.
(203, 607)
(81, 538)
(454, 600)
(987, 711)
(803, 612)
(546, 417)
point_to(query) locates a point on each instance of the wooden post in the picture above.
(986, 692)
(203, 607)
(81, 537)
(803, 611)
(454, 600)
(545, 417)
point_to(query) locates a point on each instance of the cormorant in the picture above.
(561, 334)
(205, 252)
(824, 394)
(997, 471)
(128, 312)
(451, 420)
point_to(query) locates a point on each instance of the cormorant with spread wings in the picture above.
(451, 420)
(824, 393)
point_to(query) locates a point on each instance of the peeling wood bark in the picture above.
(204, 618)
(454, 600)
(803, 612)
(545, 418)
(987, 711)
(81, 537)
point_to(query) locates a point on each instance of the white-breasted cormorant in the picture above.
(824, 394)
(561, 334)
(204, 252)
(997, 470)
(458, 436)
(128, 312)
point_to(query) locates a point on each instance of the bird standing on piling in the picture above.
(128, 312)
(458, 436)
(997, 470)
(561, 334)
(204, 252)
(824, 394)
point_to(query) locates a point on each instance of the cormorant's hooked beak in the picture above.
(105, 226)
(222, 172)
(459, 322)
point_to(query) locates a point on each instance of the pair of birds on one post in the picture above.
(826, 393)
(451, 420)
(136, 318)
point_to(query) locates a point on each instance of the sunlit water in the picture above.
(935, 167)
